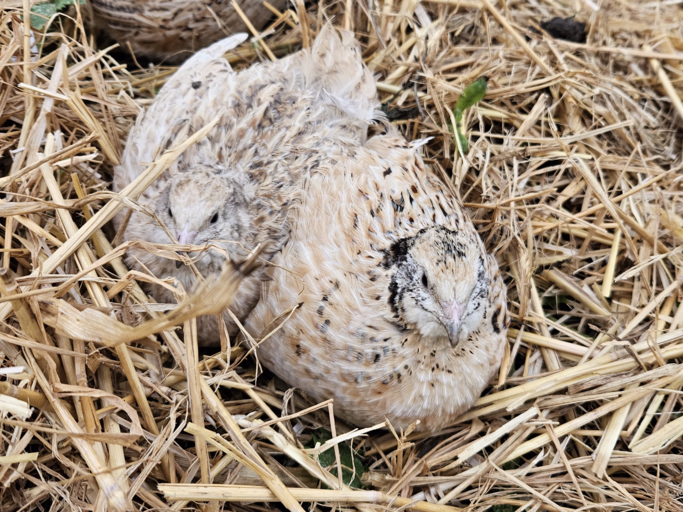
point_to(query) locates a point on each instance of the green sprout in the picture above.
(472, 95)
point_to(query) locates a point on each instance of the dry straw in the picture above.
(572, 179)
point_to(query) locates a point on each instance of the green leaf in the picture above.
(62, 4)
(472, 95)
(43, 12)
(348, 458)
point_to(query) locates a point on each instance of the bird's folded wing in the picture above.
(171, 115)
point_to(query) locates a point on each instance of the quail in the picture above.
(230, 192)
(399, 313)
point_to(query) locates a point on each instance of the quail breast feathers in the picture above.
(232, 190)
(401, 312)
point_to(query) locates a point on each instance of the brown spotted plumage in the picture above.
(402, 314)
(173, 29)
(278, 123)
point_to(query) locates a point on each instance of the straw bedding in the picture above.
(572, 177)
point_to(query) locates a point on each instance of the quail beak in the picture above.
(452, 321)
(185, 237)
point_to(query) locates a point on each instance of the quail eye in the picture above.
(170, 213)
(214, 219)
(425, 283)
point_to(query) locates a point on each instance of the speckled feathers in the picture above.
(400, 311)
(357, 222)
(278, 122)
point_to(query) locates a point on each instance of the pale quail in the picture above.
(401, 312)
(279, 122)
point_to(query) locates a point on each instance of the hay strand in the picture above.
(572, 178)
